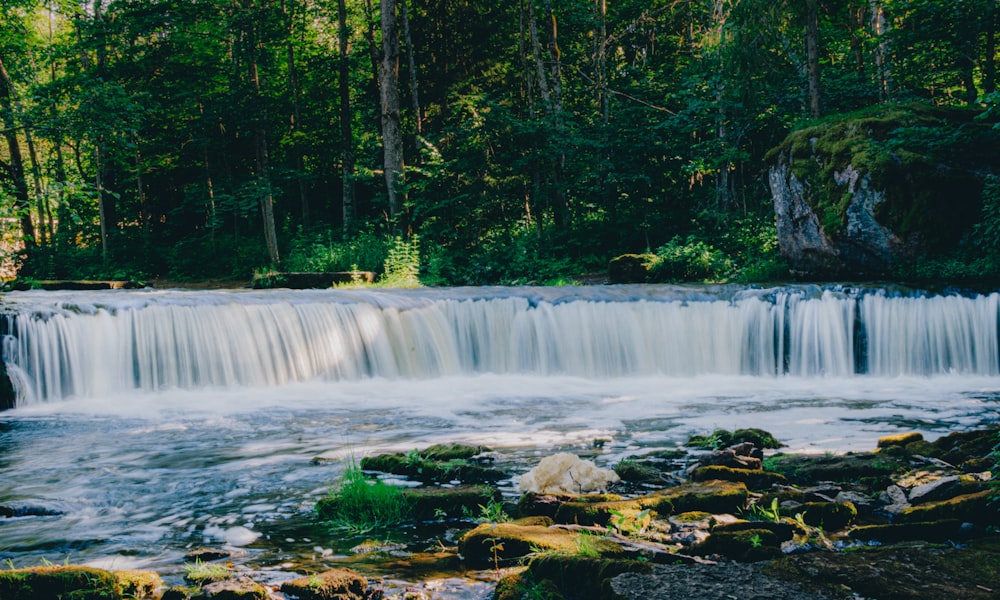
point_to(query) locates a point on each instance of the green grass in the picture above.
(358, 504)
(200, 573)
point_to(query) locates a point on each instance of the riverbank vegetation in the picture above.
(522, 142)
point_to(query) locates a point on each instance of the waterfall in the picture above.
(61, 345)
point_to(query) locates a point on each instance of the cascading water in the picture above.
(150, 422)
(90, 346)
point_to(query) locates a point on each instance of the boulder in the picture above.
(78, 583)
(856, 195)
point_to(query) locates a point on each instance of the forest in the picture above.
(482, 142)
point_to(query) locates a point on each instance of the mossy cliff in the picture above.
(855, 195)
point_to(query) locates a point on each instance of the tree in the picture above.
(392, 132)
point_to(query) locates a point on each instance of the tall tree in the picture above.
(392, 133)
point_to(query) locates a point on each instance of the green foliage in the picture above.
(690, 260)
(324, 250)
(358, 505)
(402, 263)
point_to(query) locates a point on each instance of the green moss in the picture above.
(747, 545)
(976, 508)
(754, 479)
(935, 531)
(453, 502)
(899, 439)
(436, 464)
(829, 516)
(63, 583)
(138, 584)
(335, 584)
(923, 157)
(493, 543)
(807, 469)
(721, 438)
(581, 578)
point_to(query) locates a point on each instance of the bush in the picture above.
(690, 260)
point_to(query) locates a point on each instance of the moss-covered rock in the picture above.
(746, 545)
(876, 468)
(64, 583)
(980, 508)
(177, 592)
(830, 516)
(600, 513)
(630, 268)
(436, 464)
(242, 588)
(755, 480)
(501, 543)
(722, 438)
(138, 584)
(783, 530)
(890, 533)
(335, 584)
(577, 577)
(899, 439)
(857, 193)
(533, 503)
(453, 502)
(708, 496)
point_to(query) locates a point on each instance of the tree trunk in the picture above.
(880, 28)
(812, 57)
(296, 117)
(15, 169)
(561, 205)
(346, 133)
(262, 161)
(414, 95)
(392, 137)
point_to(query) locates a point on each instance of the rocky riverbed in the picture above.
(727, 516)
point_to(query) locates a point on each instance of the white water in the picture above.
(93, 345)
(152, 422)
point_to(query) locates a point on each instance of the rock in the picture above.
(501, 543)
(241, 588)
(138, 584)
(567, 474)
(721, 438)
(436, 464)
(600, 513)
(899, 439)
(630, 268)
(935, 531)
(746, 545)
(335, 584)
(754, 479)
(940, 489)
(78, 583)
(453, 502)
(206, 554)
(853, 467)
(177, 592)
(829, 516)
(858, 194)
(709, 496)
(979, 508)
(548, 505)
(577, 577)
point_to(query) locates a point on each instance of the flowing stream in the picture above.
(151, 422)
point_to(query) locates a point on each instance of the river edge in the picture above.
(909, 523)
